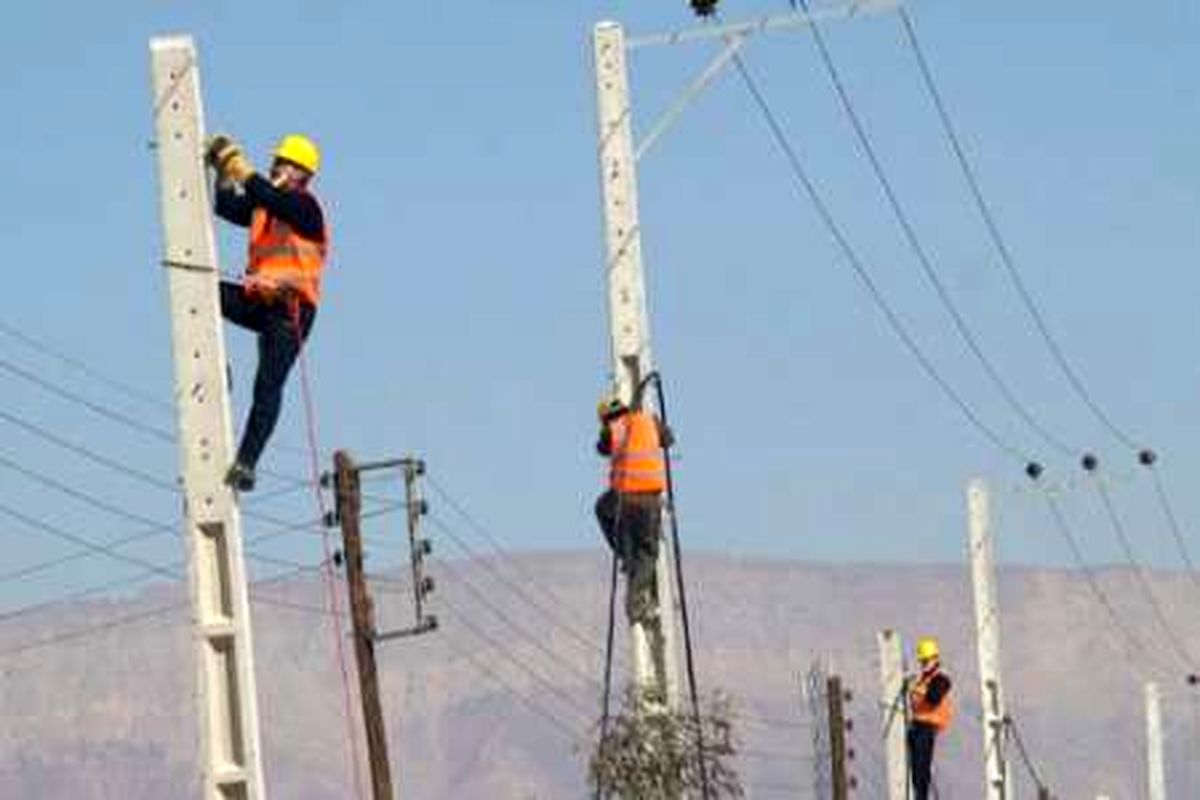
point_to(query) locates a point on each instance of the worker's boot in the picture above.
(240, 476)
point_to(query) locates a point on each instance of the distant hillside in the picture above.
(110, 715)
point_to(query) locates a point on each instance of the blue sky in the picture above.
(464, 316)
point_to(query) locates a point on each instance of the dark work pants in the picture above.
(632, 524)
(278, 346)
(921, 739)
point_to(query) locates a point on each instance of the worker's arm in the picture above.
(299, 210)
(232, 205)
(939, 687)
(604, 442)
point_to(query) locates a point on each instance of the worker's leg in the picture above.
(278, 347)
(239, 309)
(641, 540)
(920, 751)
(608, 511)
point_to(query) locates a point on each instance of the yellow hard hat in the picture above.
(299, 150)
(927, 649)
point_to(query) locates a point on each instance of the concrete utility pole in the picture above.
(654, 653)
(231, 757)
(349, 512)
(836, 698)
(1156, 775)
(987, 631)
(894, 702)
(653, 649)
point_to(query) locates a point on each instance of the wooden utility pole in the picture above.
(349, 507)
(227, 699)
(837, 738)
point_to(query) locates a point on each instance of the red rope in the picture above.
(335, 611)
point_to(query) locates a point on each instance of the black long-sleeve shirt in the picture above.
(299, 209)
(939, 687)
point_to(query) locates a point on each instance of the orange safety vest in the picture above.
(638, 463)
(278, 257)
(939, 716)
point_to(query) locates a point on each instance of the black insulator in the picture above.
(849, 724)
(1147, 457)
(422, 507)
(330, 519)
(1090, 462)
(420, 467)
(431, 622)
(424, 547)
(337, 558)
(1034, 470)
(427, 585)
(1193, 679)
(704, 8)
(326, 480)
(850, 754)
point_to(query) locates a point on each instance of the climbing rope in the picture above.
(335, 611)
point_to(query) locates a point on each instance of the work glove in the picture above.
(226, 157)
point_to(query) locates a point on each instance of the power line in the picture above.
(1168, 510)
(1140, 575)
(897, 326)
(532, 638)
(504, 651)
(108, 625)
(999, 242)
(486, 669)
(918, 249)
(528, 578)
(1135, 649)
(552, 616)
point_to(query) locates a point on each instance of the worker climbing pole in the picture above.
(277, 300)
(227, 698)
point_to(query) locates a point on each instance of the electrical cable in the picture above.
(528, 579)
(1135, 650)
(800, 174)
(506, 652)
(918, 249)
(525, 700)
(548, 613)
(1140, 575)
(999, 242)
(689, 657)
(1173, 524)
(460, 579)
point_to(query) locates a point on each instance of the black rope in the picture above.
(679, 583)
(1011, 727)
(608, 659)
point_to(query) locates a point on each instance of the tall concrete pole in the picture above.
(1155, 766)
(997, 785)
(231, 757)
(894, 703)
(653, 646)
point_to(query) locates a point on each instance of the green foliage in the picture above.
(651, 753)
